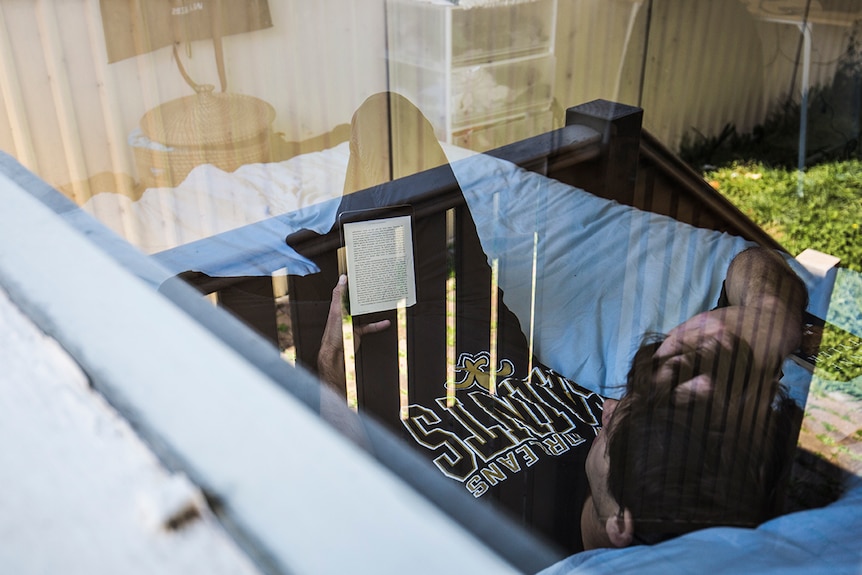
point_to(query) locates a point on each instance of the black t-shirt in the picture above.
(521, 441)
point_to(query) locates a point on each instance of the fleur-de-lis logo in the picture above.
(476, 372)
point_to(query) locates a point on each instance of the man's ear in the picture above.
(620, 529)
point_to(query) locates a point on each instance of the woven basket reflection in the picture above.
(223, 129)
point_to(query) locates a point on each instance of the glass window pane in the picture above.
(517, 192)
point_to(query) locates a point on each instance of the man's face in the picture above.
(674, 354)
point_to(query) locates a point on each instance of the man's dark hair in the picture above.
(682, 459)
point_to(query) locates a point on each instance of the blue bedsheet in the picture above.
(825, 540)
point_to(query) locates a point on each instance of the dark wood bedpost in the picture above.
(614, 173)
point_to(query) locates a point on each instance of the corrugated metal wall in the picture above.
(693, 64)
(67, 114)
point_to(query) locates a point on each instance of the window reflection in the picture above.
(237, 190)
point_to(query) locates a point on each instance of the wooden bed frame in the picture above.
(602, 148)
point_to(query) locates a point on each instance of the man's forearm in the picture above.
(759, 273)
(760, 279)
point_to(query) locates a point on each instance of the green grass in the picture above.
(827, 217)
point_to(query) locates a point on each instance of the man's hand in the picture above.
(760, 280)
(330, 358)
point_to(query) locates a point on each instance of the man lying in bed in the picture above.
(514, 431)
(703, 436)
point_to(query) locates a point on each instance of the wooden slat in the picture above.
(670, 176)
